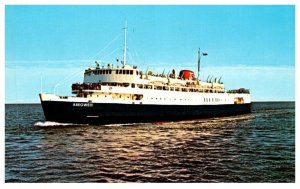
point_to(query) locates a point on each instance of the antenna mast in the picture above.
(198, 63)
(199, 57)
(124, 51)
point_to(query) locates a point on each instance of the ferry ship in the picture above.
(124, 94)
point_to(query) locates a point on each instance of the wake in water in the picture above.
(58, 124)
(124, 124)
(206, 120)
(53, 124)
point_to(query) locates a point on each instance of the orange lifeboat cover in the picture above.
(187, 74)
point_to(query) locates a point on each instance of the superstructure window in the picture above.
(159, 87)
(127, 72)
(131, 72)
(147, 86)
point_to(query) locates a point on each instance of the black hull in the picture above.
(96, 113)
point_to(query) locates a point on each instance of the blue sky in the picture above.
(249, 46)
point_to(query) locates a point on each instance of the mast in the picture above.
(198, 63)
(199, 56)
(124, 51)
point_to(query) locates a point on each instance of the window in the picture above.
(123, 71)
(159, 87)
(131, 72)
(109, 71)
(127, 72)
(147, 86)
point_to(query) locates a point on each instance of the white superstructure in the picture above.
(128, 85)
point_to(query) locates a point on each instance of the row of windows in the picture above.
(205, 99)
(101, 72)
(212, 100)
(91, 86)
(127, 72)
(183, 89)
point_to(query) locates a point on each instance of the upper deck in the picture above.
(128, 75)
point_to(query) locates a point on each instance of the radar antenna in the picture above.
(124, 51)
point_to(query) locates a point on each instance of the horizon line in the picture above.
(24, 103)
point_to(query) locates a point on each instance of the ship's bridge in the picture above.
(126, 74)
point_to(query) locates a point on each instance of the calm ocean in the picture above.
(256, 147)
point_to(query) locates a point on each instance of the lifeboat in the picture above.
(187, 74)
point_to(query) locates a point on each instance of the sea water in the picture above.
(254, 147)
